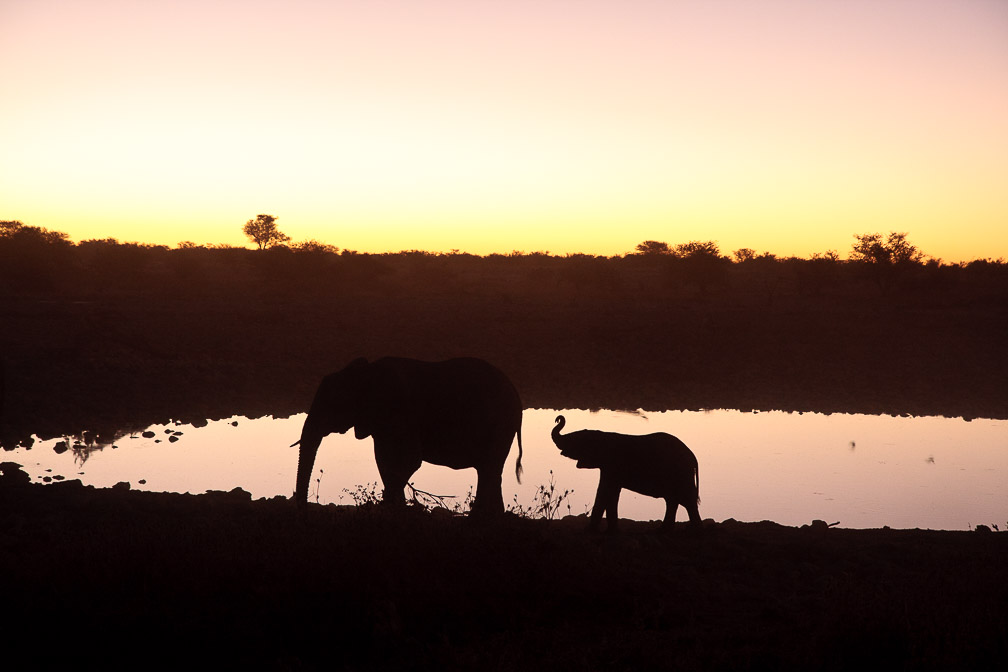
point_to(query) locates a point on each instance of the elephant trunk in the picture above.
(560, 422)
(306, 462)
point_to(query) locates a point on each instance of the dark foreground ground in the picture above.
(115, 578)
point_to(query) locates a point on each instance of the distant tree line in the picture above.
(33, 259)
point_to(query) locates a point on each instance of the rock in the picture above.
(11, 474)
(71, 485)
(121, 485)
(817, 526)
(234, 494)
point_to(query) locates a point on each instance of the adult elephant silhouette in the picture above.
(459, 413)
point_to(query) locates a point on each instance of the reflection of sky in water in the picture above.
(863, 471)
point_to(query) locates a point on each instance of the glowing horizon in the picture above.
(556, 126)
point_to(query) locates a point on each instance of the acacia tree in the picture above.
(886, 260)
(315, 247)
(702, 262)
(895, 249)
(744, 254)
(697, 249)
(653, 248)
(263, 231)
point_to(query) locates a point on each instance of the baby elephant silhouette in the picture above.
(657, 465)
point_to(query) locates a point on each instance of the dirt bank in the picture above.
(163, 580)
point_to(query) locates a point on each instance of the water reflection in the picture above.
(863, 471)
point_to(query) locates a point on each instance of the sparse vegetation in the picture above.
(547, 503)
(368, 494)
(318, 486)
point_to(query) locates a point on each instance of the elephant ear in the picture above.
(379, 402)
(589, 448)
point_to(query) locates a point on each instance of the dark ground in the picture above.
(118, 577)
(217, 581)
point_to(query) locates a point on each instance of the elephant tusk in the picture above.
(295, 443)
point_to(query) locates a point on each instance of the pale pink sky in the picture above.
(491, 126)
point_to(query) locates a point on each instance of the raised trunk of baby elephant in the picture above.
(306, 462)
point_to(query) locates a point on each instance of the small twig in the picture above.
(424, 498)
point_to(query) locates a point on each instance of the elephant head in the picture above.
(337, 406)
(586, 446)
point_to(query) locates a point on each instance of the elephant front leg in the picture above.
(606, 500)
(598, 508)
(395, 466)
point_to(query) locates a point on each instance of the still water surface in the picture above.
(861, 471)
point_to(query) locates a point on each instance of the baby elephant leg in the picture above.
(599, 507)
(612, 509)
(606, 502)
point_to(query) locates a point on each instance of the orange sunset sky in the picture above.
(489, 126)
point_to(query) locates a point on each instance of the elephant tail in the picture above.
(518, 465)
(696, 476)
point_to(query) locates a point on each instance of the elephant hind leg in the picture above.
(694, 512)
(671, 507)
(489, 499)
